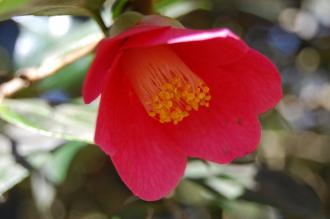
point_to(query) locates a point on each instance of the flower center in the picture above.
(165, 85)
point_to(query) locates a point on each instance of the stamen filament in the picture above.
(166, 86)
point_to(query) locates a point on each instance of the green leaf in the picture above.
(280, 190)
(10, 5)
(43, 192)
(50, 154)
(33, 147)
(67, 121)
(57, 167)
(11, 173)
(69, 79)
(229, 181)
(177, 8)
(248, 210)
(273, 120)
(124, 22)
(10, 8)
(118, 8)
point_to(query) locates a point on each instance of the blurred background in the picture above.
(49, 168)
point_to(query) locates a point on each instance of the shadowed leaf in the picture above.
(280, 190)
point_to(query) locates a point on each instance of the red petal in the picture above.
(220, 42)
(146, 35)
(228, 129)
(106, 52)
(261, 80)
(150, 168)
(220, 48)
(96, 75)
(240, 90)
(256, 78)
(211, 136)
(146, 159)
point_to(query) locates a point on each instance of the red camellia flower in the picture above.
(169, 93)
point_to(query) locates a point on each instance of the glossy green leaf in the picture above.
(48, 7)
(67, 121)
(177, 8)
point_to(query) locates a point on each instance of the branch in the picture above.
(47, 68)
(95, 14)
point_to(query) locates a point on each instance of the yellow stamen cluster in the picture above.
(177, 98)
(167, 88)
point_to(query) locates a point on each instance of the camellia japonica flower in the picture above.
(169, 93)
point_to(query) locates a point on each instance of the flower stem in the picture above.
(98, 19)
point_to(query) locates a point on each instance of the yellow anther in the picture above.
(190, 96)
(201, 96)
(206, 89)
(156, 105)
(168, 104)
(167, 88)
(176, 98)
(152, 114)
(195, 107)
